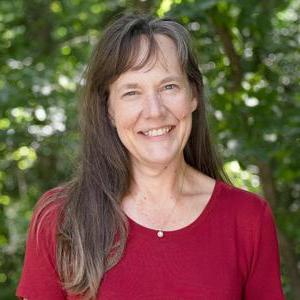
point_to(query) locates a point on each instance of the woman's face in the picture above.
(152, 107)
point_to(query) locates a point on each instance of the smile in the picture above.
(157, 132)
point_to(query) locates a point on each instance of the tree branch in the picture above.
(225, 35)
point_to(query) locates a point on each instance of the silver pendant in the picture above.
(160, 233)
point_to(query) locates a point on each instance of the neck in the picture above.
(160, 186)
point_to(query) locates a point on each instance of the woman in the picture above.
(151, 214)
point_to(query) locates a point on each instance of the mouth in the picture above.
(158, 131)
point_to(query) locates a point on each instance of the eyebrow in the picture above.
(135, 85)
(128, 86)
(171, 78)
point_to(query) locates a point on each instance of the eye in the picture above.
(170, 86)
(130, 93)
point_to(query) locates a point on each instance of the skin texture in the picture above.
(156, 96)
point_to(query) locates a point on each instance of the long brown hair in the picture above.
(92, 229)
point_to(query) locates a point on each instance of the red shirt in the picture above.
(230, 252)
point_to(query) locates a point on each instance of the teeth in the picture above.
(157, 132)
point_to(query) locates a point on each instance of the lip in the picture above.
(159, 137)
(156, 128)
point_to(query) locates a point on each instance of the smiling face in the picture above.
(152, 107)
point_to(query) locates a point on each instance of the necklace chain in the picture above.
(160, 232)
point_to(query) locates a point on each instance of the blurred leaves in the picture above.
(249, 55)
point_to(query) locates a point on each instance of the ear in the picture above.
(112, 121)
(194, 101)
(111, 115)
(194, 104)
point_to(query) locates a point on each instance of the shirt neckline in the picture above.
(136, 228)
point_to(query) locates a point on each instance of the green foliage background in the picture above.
(249, 55)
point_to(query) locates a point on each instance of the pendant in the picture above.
(160, 233)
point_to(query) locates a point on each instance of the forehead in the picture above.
(164, 53)
(162, 59)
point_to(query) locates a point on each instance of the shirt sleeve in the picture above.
(264, 280)
(39, 279)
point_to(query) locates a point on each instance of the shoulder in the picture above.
(54, 195)
(46, 212)
(244, 210)
(245, 213)
(40, 279)
(51, 201)
(229, 200)
(241, 200)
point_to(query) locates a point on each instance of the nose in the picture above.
(153, 106)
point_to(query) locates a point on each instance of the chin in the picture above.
(159, 159)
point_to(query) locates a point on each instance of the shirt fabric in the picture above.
(229, 252)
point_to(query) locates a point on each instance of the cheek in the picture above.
(123, 124)
(125, 117)
(181, 108)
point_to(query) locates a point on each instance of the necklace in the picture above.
(160, 232)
